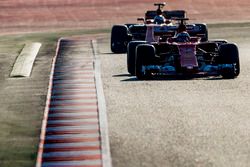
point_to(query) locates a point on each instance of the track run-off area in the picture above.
(175, 122)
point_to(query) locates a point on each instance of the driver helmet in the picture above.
(183, 37)
(159, 18)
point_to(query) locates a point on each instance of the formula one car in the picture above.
(185, 55)
(163, 32)
(121, 35)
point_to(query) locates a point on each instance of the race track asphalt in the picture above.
(161, 123)
(169, 123)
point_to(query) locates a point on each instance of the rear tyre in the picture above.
(145, 55)
(119, 38)
(131, 55)
(229, 54)
(203, 30)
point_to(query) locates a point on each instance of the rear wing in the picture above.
(167, 14)
(175, 13)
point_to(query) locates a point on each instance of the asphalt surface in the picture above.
(198, 122)
(165, 123)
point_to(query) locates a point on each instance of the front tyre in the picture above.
(131, 55)
(203, 30)
(230, 55)
(119, 38)
(145, 55)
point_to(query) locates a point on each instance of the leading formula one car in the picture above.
(185, 55)
(162, 33)
(121, 35)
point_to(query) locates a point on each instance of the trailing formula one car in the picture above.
(121, 35)
(185, 55)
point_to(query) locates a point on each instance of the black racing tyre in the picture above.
(145, 55)
(131, 55)
(203, 30)
(119, 38)
(229, 54)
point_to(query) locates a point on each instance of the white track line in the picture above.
(106, 156)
